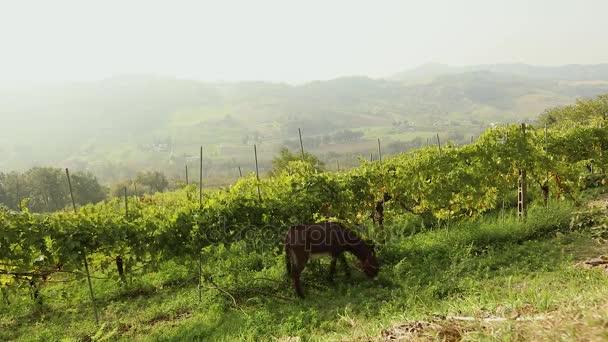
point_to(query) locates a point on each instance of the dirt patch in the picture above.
(600, 262)
(124, 327)
(448, 330)
(405, 331)
(600, 202)
(290, 339)
(576, 323)
(166, 317)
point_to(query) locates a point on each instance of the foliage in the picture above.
(584, 111)
(280, 162)
(452, 187)
(156, 181)
(47, 189)
(87, 189)
(9, 189)
(486, 267)
(144, 183)
(441, 186)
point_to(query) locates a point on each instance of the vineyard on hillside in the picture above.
(437, 185)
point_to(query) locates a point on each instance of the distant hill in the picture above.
(571, 72)
(119, 125)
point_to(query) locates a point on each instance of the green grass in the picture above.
(487, 267)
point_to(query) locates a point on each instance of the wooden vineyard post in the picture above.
(187, 182)
(338, 165)
(301, 144)
(522, 187)
(522, 193)
(18, 206)
(602, 168)
(371, 157)
(439, 144)
(380, 160)
(240, 173)
(200, 180)
(257, 172)
(200, 203)
(546, 136)
(545, 186)
(126, 203)
(379, 153)
(84, 255)
(118, 260)
(440, 184)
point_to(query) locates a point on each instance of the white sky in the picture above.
(282, 40)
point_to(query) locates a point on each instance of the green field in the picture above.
(493, 267)
(456, 260)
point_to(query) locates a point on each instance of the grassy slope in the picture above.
(490, 267)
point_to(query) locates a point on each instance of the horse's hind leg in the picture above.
(332, 268)
(344, 264)
(287, 262)
(297, 285)
(296, 266)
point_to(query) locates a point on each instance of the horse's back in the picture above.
(322, 237)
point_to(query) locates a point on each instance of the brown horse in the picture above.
(306, 241)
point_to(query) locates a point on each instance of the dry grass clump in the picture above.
(566, 324)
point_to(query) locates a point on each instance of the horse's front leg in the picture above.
(332, 268)
(295, 276)
(288, 262)
(344, 264)
(299, 261)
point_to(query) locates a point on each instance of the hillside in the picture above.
(434, 284)
(118, 126)
(456, 257)
(570, 72)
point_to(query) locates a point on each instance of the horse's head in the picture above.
(369, 263)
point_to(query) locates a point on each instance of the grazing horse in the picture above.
(306, 241)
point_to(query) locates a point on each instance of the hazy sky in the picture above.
(282, 40)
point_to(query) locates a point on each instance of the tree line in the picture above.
(46, 188)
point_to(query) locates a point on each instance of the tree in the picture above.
(87, 189)
(47, 189)
(285, 156)
(156, 181)
(584, 111)
(4, 194)
(12, 189)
